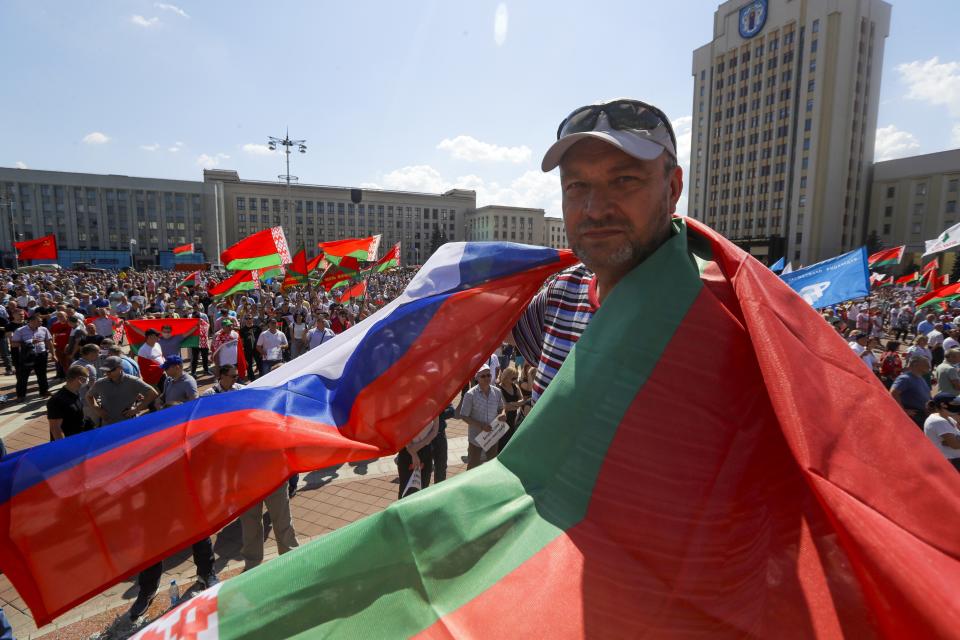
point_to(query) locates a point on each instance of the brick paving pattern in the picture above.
(327, 500)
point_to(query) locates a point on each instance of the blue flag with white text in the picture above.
(835, 280)
(778, 266)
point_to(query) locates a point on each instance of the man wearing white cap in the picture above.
(620, 184)
(481, 404)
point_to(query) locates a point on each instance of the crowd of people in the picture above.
(915, 352)
(68, 326)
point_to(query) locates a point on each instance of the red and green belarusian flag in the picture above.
(363, 249)
(781, 521)
(190, 281)
(938, 295)
(300, 269)
(886, 257)
(184, 248)
(266, 274)
(263, 249)
(185, 330)
(335, 277)
(240, 281)
(910, 278)
(389, 261)
(357, 291)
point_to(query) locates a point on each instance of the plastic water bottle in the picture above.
(174, 593)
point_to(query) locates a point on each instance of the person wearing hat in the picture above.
(151, 349)
(178, 385)
(620, 184)
(118, 396)
(479, 407)
(941, 426)
(66, 414)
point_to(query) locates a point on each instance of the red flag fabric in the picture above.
(933, 265)
(240, 281)
(44, 248)
(911, 277)
(356, 291)
(886, 257)
(184, 248)
(313, 264)
(941, 292)
(359, 248)
(263, 249)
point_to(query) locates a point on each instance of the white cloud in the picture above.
(209, 162)
(682, 127)
(176, 147)
(95, 137)
(140, 21)
(150, 147)
(500, 24)
(531, 189)
(20, 164)
(892, 143)
(933, 82)
(171, 7)
(256, 149)
(473, 150)
(956, 135)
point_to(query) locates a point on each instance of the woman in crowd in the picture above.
(512, 401)
(298, 337)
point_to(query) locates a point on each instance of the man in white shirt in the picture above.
(950, 342)
(150, 349)
(35, 342)
(271, 344)
(480, 406)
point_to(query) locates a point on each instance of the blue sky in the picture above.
(415, 95)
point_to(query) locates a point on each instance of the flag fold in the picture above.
(626, 507)
(82, 513)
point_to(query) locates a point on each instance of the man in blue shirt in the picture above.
(926, 325)
(911, 390)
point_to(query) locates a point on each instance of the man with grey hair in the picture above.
(911, 389)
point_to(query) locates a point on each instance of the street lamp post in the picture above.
(287, 143)
(133, 244)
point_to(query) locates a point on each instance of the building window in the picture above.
(951, 206)
(816, 26)
(952, 185)
(891, 191)
(813, 46)
(921, 189)
(241, 202)
(888, 212)
(886, 229)
(915, 227)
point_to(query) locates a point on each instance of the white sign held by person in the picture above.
(946, 240)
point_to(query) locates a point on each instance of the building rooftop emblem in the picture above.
(752, 18)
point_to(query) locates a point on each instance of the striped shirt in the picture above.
(554, 321)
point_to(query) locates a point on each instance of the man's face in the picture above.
(174, 371)
(483, 379)
(227, 380)
(616, 208)
(115, 374)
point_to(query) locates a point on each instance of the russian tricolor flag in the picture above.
(80, 514)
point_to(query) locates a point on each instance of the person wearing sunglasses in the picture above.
(620, 183)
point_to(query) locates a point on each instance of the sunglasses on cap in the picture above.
(624, 115)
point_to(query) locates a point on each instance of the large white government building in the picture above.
(784, 118)
(95, 217)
